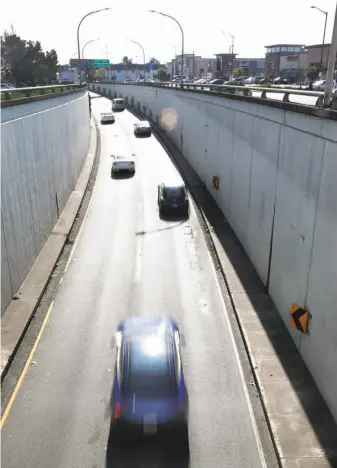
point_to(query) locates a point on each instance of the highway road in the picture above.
(127, 261)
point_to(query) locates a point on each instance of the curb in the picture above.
(20, 311)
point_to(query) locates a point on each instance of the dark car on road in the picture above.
(173, 198)
(149, 393)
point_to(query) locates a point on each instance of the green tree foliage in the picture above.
(25, 63)
(127, 62)
(310, 71)
(162, 74)
(99, 73)
(154, 61)
(237, 72)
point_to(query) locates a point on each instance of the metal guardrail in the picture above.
(242, 90)
(19, 93)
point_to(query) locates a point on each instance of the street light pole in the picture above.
(143, 54)
(182, 42)
(87, 43)
(232, 61)
(326, 18)
(331, 64)
(78, 33)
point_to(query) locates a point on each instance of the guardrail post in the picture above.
(286, 97)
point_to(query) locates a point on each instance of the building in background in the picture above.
(67, 74)
(224, 65)
(292, 66)
(274, 54)
(121, 72)
(194, 66)
(314, 56)
(250, 66)
(205, 68)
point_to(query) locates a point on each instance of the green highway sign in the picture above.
(89, 63)
(100, 63)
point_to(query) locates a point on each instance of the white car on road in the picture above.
(118, 104)
(123, 163)
(107, 116)
(142, 128)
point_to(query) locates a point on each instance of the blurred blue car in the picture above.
(149, 388)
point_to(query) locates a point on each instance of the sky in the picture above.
(207, 27)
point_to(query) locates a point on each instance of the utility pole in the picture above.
(331, 64)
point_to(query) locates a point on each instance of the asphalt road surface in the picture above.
(127, 261)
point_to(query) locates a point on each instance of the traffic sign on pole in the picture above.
(100, 63)
(80, 63)
(89, 63)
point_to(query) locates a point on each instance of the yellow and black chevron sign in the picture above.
(215, 182)
(299, 318)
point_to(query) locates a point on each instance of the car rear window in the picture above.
(119, 101)
(149, 371)
(121, 158)
(174, 192)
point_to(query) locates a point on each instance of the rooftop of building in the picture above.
(284, 45)
(317, 46)
(250, 58)
(226, 53)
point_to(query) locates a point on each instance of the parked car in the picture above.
(123, 163)
(217, 81)
(280, 81)
(149, 392)
(173, 197)
(142, 128)
(319, 85)
(107, 117)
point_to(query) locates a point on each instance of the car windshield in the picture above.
(121, 158)
(149, 374)
(119, 101)
(174, 192)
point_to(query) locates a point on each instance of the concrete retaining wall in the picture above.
(47, 102)
(278, 173)
(42, 156)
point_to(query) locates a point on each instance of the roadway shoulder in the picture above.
(20, 311)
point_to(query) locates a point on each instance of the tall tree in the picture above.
(310, 71)
(237, 72)
(24, 62)
(127, 62)
(162, 74)
(154, 61)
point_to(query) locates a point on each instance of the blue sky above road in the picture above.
(254, 25)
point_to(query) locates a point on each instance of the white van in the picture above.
(118, 104)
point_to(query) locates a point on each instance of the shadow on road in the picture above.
(121, 175)
(146, 135)
(153, 231)
(156, 452)
(174, 217)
